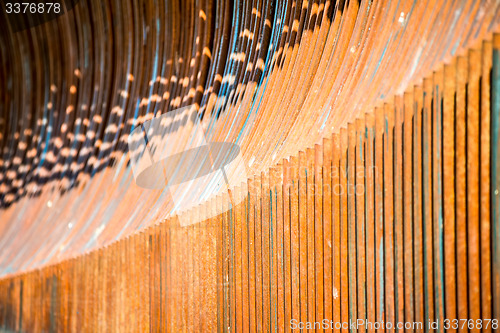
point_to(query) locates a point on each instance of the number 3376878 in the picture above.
(32, 7)
(471, 323)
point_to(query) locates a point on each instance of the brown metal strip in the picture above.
(437, 188)
(287, 246)
(427, 202)
(449, 190)
(327, 227)
(302, 224)
(388, 196)
(371, 250)
(461, 194)
(495, 175)
(379, 217)
(337, 245)
(473, 200)
(349, 192)
(417, 209)
(318, 235)
(309, 192)
(485, 181)
(408, 217)
(237, 241)
(359, 193)
(294, 240)
(251, 256)
(343, 237)
(399, 297)
(245, 257)
(259, 296)
(266, 264)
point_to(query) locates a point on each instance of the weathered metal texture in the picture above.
(371, 133)
(356, 228)
(271, 77)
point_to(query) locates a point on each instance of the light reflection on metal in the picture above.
(170, 152)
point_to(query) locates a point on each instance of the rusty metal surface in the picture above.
(399, 100)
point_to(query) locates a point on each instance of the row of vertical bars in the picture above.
(395, 219)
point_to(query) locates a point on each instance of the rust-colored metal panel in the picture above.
(437, 195)
(379, 216)
(327, 219)
(276, 232)
(211, 280)
(221, 301)
(349, 193)
(388, 197)
(409, 218)
(337, 217)
(371, 251)
(309, 192)
(449, 190)
(237, 255)
(287, 240)
(485, 185)
(294, 240)
(368, 132)
(344, 294)
(473, 149)
(359, 194)
(244, 256)
(461, 194)
(266, 264)
(427, 201)
(227, 231)
(398, 212)
(251, 256)
(259, 295)
(495, 174)
(302, 233)
(317, 240)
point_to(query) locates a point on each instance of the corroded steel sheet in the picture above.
(369, 135)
